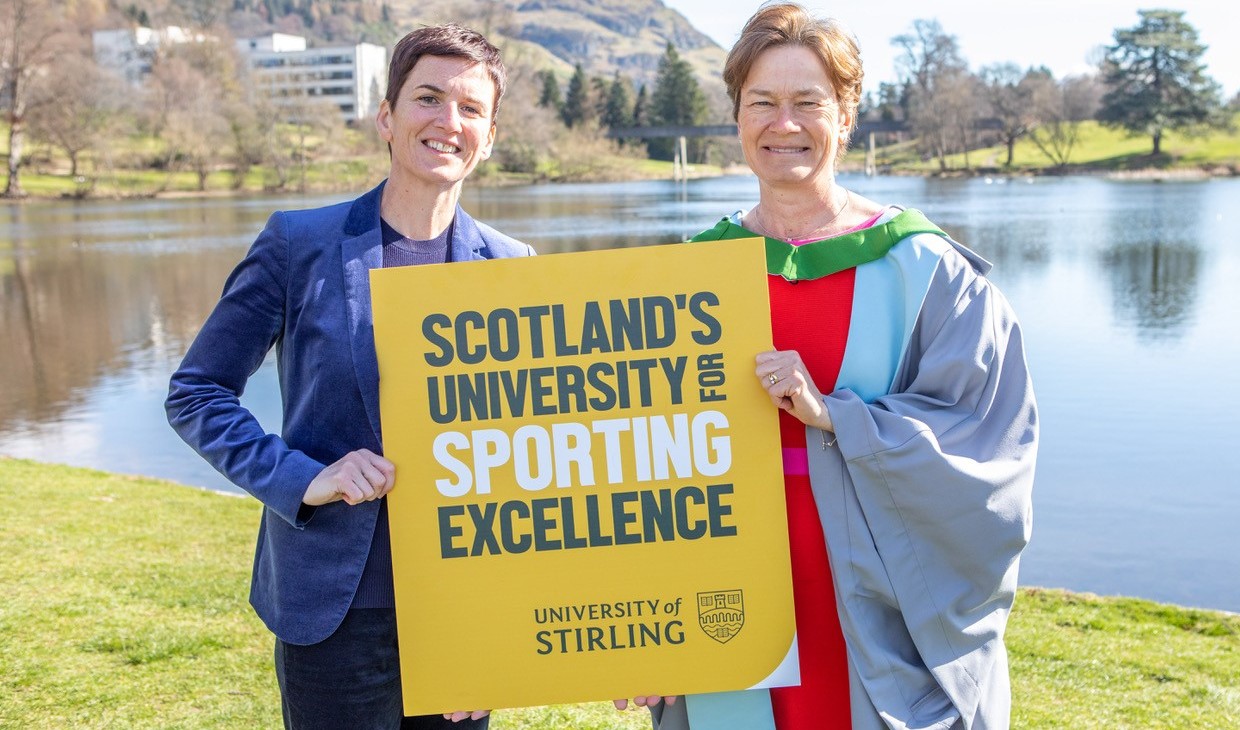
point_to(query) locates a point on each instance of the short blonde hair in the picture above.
(789, 24)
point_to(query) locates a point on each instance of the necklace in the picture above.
(765, 229)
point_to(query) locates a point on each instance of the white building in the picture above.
(352, 78)
(130, 52)
(273, 43)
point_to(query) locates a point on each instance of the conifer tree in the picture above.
(600, 89)
(677, 100)
(641, 116)
(576, 103)
(619, 111)
(549, 96)
(1155, 79)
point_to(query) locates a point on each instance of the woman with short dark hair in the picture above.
(323, 567)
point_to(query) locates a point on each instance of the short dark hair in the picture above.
(453, 41)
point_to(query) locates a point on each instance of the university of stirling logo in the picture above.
(721, 614)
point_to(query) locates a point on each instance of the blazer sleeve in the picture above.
(203, 404)
(943, 471)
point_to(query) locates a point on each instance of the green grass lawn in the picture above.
(1098, 149)
(124, 606)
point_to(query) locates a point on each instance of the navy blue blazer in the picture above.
(304, 287)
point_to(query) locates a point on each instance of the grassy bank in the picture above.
(1098, 149)
(123, 605)
(321, 177)
(354, 162)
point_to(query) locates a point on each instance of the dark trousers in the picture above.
(351, 680)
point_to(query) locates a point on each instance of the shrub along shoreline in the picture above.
(124, 605)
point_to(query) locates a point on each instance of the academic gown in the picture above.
(923, 490)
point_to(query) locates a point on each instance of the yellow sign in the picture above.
(589, 499)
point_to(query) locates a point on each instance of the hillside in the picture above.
(604, 36)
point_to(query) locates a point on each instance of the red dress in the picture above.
(812, 318)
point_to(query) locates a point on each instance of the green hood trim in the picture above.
(828, 256)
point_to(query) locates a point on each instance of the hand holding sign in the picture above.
(358, 476)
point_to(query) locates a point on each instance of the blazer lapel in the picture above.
(361, 251)
(466, 238)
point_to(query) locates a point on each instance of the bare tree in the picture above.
(195, 104)
(247, 139)
(276, 150)
(527, 133)
(945, 117)
(187, 117)
(1010, 93)
(928, 51)
(964, 103)
(934, 74)
(1062, 108)
(32, 33)
(201, 14)
(76, 107)
(312, 122)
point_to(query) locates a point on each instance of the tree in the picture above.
(75, 108)
(549, 94)
(934, 75)
(191, 124)
(619, 110)
(890, 103)
(32, 34)
(1155, 79)
(200, 14)
(641, 113)
(1061, 109)
(677, 101)
(1010, 94)
(599, 90)
(196, 106)
(961, 105)
(576, 102)
(524, 147)
(928, 52)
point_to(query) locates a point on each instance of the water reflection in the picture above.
(1153, 259)
(92, 290)
(565, 218)
(1154, 287)
(82, 285)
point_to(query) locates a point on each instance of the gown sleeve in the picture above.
(927, 507)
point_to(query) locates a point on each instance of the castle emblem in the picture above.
(721, 614)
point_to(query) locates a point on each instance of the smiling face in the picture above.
(791, 124)
(442, 123)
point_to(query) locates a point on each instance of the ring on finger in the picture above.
(773, 378)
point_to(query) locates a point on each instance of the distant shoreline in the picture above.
(695, 172)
